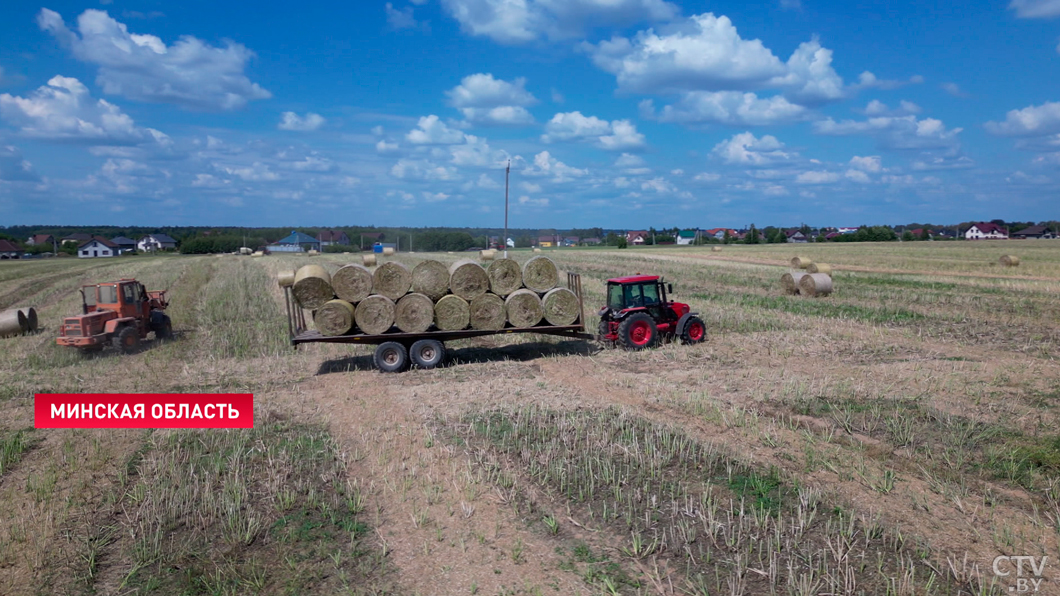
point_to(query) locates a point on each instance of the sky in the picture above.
(611, 113)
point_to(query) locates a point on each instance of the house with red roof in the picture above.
(986, 231)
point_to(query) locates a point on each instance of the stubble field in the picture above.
(893, 438)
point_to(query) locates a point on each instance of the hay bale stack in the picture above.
(431, 279)
(414, 313)
(468, 280)
(392, 279)
(452, 313)
(524, 308)
(312, 287)
(31, 317)
(790, 280)
(815, 284)
(1009, 261)
(819, 268)
(505, 276)
(800, 262)
(334, 318)
(487, 312)
(368, 260)
(285, 279)
(313, 252)
(375, 314)
(388, 251)
(352, 283)
(540, 274)
(487, 255)
(561, 307)
(13, 322)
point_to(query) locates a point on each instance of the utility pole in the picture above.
(507, 171)
(410, 242)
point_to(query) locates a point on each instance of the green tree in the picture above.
(907, 236)
(752, 236)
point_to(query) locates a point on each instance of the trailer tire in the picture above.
(391, 357)
(127, 339)
(427, 353)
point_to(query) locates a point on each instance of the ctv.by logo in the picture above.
(1028, 572)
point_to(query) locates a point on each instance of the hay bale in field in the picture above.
(334, 318)
(312, 286)
(352, 283)
(388, 251)
(487, 255)
(468, 279)
(313, 252)
(487, 312)
(1009, 261)
(537, 249)
(715, 249)
(245, 251)
(414, 313)
(368, 260)
(815, 284)
(540, 274)
(392, 279)
(505, 276)
(452, 313)
(819, 268)
(561, 307)
(13, 322)
(524, 308)
(790, 280)
(31, 317)
(800, 262)
(430, 278)
(257, 254)
(285, 279)
(375, 314)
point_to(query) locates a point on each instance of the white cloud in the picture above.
(501, 115)
(1030, 121)
(811, 80)
(775, 190)
(615, 135)
(869, 163)
(477, 152)
(384, 147)
(257, 172)
(408, 169)
(707, 177)
(311, 163)
(878, 108)
(525, 200)
(557, 97)
(817, 177)
(621, 182)
(432, 131)
(659, 185)
(857, 176)
(530, 187)
(953, 89)
(13, 167)
(745, 149)
(729, 107)
(546, 165)
(292, 121)
(63, 110)
(401, 19)
(628, 160)
(677, 172)
(486, 100)
(189, 73)
(944, 163)
(1035, 9)
(899, 132)
(434, 197)
(867, 80)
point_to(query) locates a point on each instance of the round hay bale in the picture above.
(561, 307)
(31, 317)
(800, 262)
(414, 313)
(430, 278)
(257, 254)
(285, 279)
(312, 286)
(245, 251)
(505, 276)
(1009, 261)
(790, 280)
(334, 318)
(715, 249)
(487, 312)
(468, 279)
(368, 260)
(819, 268)
(524, 308)
(487, 255)
(375, 314)
(815, 284)
(352, 283)
(452, 313)
(537, 249)
(540, 274)
(13, 322)
(392, 279)
(313, 252)
(388, 251)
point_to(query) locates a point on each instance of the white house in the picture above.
(97, 247)
(986, 231)
(155, 242)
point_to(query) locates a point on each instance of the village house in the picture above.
(329, 237)
(98, 246)
(153, 242)
(295, 242)
(1035, 232)
(637, 237)
(796, 236)
(548, 241)
(125, 245)
(77, 238)
(9, 250)
(41, 240)
(985, 231)
(685, 237)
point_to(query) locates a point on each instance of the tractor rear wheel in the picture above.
(391, 357)
(638, 332)
(127, 340)
(164, 330)
(695, 331)
(427, 353)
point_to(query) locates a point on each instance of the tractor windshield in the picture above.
(90, 295)
(108, 294)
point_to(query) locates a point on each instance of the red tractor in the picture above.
(638, 313)
(120, 313)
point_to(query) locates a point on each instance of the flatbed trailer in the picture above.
(427, 349)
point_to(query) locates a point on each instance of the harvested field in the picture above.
(899, 434)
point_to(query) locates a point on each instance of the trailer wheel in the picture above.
(391, 357)
(427, 353)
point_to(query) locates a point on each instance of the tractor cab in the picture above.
(119, 308)
(638, 311)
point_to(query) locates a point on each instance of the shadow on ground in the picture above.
(477, 354)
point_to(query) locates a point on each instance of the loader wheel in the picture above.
(391, 357)
(127, 340)
(695, 331)
(638, 332)
(427, 353)
(164, 329)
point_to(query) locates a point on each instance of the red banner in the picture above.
(143, 410)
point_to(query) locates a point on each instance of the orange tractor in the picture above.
(120, 313)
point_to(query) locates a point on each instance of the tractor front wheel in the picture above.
(638, 332)
(164, 330)
(127, 340)
(695, 331)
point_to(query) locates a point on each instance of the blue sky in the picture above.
(613, 113)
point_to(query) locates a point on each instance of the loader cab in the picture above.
(126, 297)
(646, 292)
